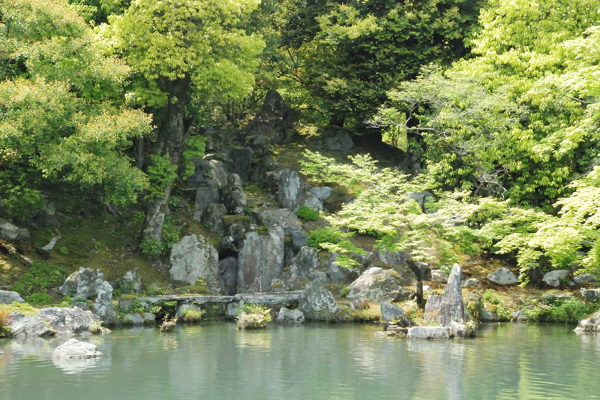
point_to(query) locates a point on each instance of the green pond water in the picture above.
(314, 361)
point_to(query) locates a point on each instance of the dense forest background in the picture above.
(497, 103)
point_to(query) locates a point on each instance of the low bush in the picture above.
(191, 315)
(552, 309)
(324, 235)
(39, 278)
(307, 214)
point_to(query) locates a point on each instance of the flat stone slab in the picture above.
(269, 299)
(428, 332)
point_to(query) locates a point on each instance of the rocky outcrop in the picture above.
(449, 307)
(519, 316)
(103, 306)
(234, 198)
(70, 321)
(318, 304)
(503, 276)
(194, 257)
(74, 348)
(133, 319)
(239, 160)
(23, 326)
(213, 217)
(208, 173)
(11, 232)
(393, 313)
(289, 189)
(282, 217)
(260, 260)
(8, 297)
(82, 284)
(557, 277)
(376, 285)
(395, 259)
(299, 240)
(290, 316)
(305, 262)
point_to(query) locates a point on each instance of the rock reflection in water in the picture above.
(74, 366)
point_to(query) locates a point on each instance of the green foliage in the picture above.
(195, 149)
(39, 299)
(491, 297)
(160, 173)
(63, 250)
(324, 235)
(307, 214)
(39, 278)
(171, 234)
(191, 315)
(552, 309)
(344, 292)
(5, 330)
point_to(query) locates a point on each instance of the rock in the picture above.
(205, 195)
(488, 316)
(339, 274)
(470, 282)
(148, 318)
(228, 271)
(589, 325)
(255, 320)
(74, 348)
(503, 276)
(260, 260)
(535, 275)
(392, 313)
(311, 201)
(183, 308)
(233, 309)
(461, 331)
(340, 140)
(557, 277)
(81, 304)
(420, 197)
(133, 319)
(8, 297)
(207, 172)
(273, 121)
(130, 283)
(321, 193)
(289, 189)
(590, 294)
(519, 316)
(283, 218)
(428, 332)
(584, 278)
(437, 275)
(299, 240)
(376, 285)
(240, 162)
(22, 326)
(213, 218)
(82, 284)
(47, 216)
(318, 304)
(103, 306)
(290, 316)
(11, 232)
(234, 198)
(393, 259)
(305, 262)
(194, 257)
(449, 307)
(70, 321)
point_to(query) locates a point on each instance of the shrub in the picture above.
(39, 279)
(307, 214)
(191, 315)
(559, 310)
(324, 235)
(344, 292)
(39, 299)
(253, 316)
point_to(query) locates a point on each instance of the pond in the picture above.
(313, 361)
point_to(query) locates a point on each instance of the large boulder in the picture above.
(228, 271)
(557, 277)
(234, 198)
(503, 276)
(273, 121)
(305, 262)
(103, 306)
(340, 140)
(25, 326)
(260, 260)
(392, 313)
(449, 307)
(290, 316)
(437, 275)
(74, 348)
(194, 257)
(205, 195)
(282, 217)
(376, 285)
(9, 231)
(130, 283)
(428, 332)
(70, 321)
(213, 217)
(82, 284)
(338, 274)
(582, 279)
(207, 173)
(318, 304)
(289, 189)
(8, 297)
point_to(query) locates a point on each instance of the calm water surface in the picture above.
(215, 361)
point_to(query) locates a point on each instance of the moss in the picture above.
(193, 289)
(128, 297)
(244, 220)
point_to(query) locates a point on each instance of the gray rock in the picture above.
(584, 278)
(590, 294)
(47, 216)
(376, 285)
(428, 333)
(11, 232)
(290, 316)
(240, 162)
(234, 198)
(557, 277)
(470, 282)
(74, 348)
(260, 260)
(420, 197)
(519, 316)
(233, 309)
(213, 217)
(194, 257)
(133, 319)
(228, 272)
(205, 195)
(103, 306)
(589, 325)
(84, 283)
(340, 141)
(339, 274)
(148, 318)
(488, 316)
(503, 276)
(394, 259)
(131, 283)
(273, 121)
(449, 307)
(458, 330)
(283, 218)
(305, 262)
(182, 308)
(311, 201)
(208, 171)
(535, 275)
(318, 304)
(70, 321)
(299, 240)
(437, 275)
(322, 193)
(391, 312)
(22, 326)
(8, 297)
(289, 189)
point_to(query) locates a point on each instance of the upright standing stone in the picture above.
(194, 257)
(289, 189)
(260, 260)
(103, 306)
(449, 307)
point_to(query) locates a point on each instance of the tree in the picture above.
(61, 118)
(186, 54)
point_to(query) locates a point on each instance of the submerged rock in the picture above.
(589, 325)
(428, 332)
(70, 321)
(74, 348)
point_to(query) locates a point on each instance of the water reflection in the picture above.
(75, 366)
